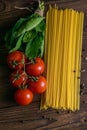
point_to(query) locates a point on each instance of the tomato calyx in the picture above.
(18, 78)
(17, 75)
(32, 61)
(14, 63)
(17, 63)
(33, 78)
(23, 87)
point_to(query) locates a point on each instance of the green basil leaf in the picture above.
(41, 50)
(30, 24)
(41, 47)
(41, 27)
(33, 48)
(15, 28)
(18, 44)
(28, 49)
(18, 24)
(11, 35)
(7, 38)
(29, 35)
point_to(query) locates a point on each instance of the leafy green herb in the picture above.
(7, 39)
(41, 50)
(18, 44)
(41, 27)
(33, 48)
(18, 24)
(29, 35)
(30, 24)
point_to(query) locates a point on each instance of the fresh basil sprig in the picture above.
(27, 35)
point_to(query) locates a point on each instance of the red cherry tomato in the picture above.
(16, 60)
(18, 78)
(36, 68)
(23, 96)
(38, 86)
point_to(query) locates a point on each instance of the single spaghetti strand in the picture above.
(73, 62)
(60, 61)
(57, 53)
(76, 60)
(49, 54)
(53, 90)
(80, 52)
(69, 61)
(49, 57)
(68, 35)
(64, 65)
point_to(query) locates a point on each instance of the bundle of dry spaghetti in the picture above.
(62, 56)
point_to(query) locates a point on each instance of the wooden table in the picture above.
(15, 117)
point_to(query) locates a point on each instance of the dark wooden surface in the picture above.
(15, 117)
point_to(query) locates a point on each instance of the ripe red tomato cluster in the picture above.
(26, 76)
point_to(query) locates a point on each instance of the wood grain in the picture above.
(13, 116)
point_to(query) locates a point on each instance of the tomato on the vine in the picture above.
(36, 68)
(16, 60)
(37, 86)
(23, 96)
(18, 78)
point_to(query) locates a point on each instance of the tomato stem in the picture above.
(33, 78)
(23, 61)
(32, 61)
(23, 87)
(14, 63)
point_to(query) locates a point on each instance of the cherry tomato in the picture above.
(18, 78)
(38, 86)
(23, 96)
(16, 60)
(36, 68)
